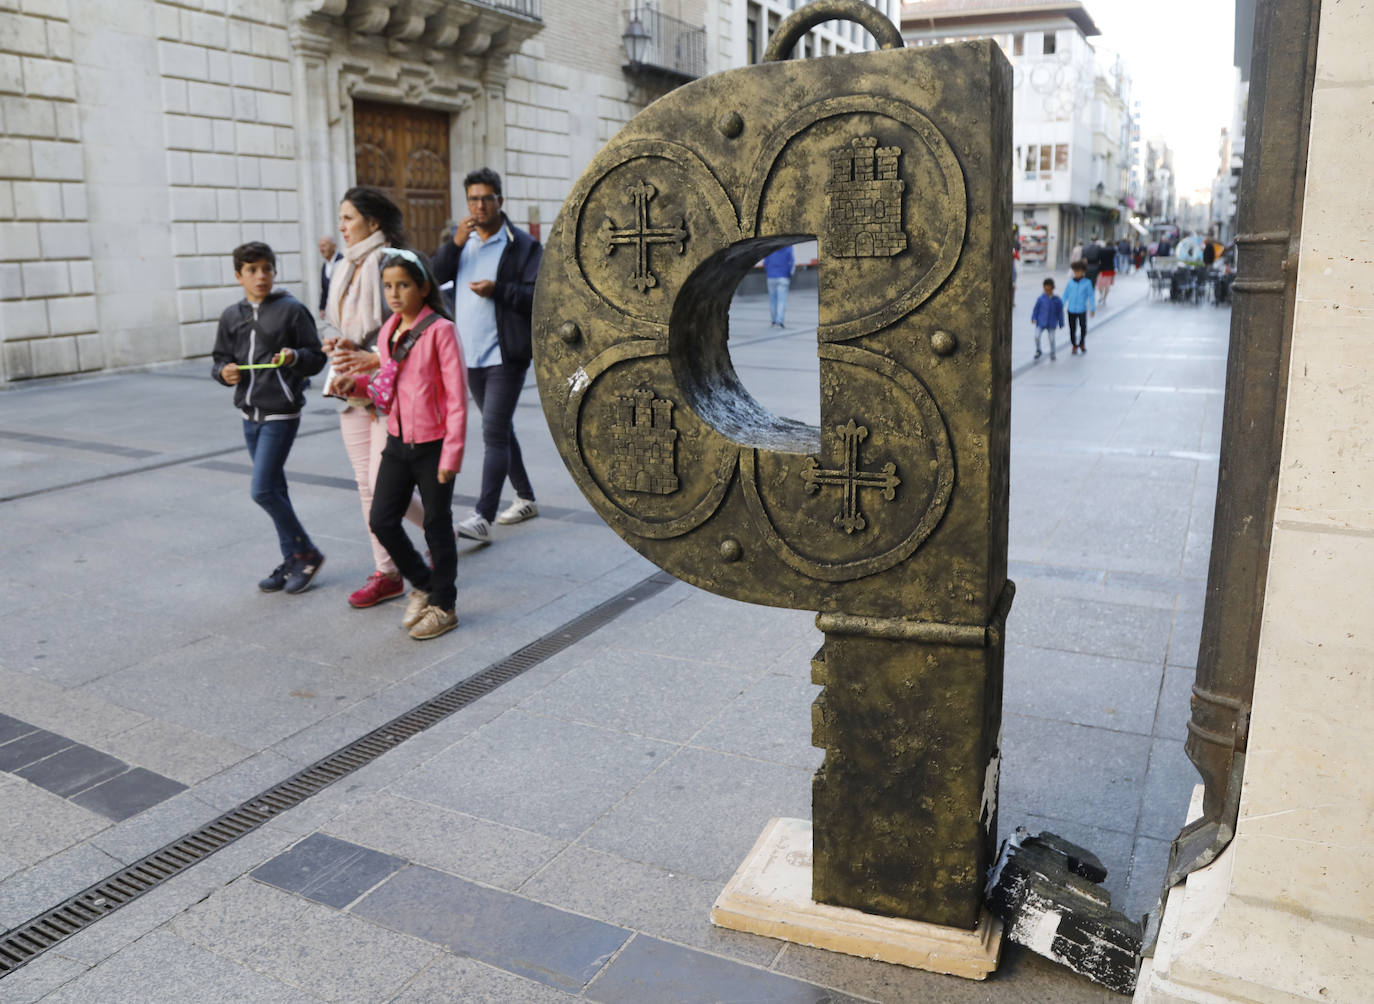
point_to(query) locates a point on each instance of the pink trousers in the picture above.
(364, 439)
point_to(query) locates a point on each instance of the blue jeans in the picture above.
(496, 389)
(269, 443)
(777, 298)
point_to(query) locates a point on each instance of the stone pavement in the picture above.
(564, 835)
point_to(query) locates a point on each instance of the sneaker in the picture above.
(475, 528)
(302, 570)
(418, 604)
(518, 511)
(275, 580)
(432, 623)
(1037, 353)
(378, 588)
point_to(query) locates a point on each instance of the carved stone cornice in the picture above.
(425, 28)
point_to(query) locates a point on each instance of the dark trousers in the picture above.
(269, 444)
(496, 389)
(1078, 329)
(404, 468)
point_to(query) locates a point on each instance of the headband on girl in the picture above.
(411, 257)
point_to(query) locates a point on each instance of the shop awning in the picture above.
(1138, 228)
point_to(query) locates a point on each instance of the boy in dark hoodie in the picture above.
(265, 349)
(1048, 316)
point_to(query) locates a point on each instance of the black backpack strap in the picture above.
(411, 337)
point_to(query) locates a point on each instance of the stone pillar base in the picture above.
(770, 895)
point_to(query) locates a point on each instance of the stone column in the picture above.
(309, 70)
(1287, 911)
(119, 92)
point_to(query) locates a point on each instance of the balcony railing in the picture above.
(527, 8)
(667, 47)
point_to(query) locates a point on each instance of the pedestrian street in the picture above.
(563, 835)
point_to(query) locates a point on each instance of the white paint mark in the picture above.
(577, 383)
(989, 806)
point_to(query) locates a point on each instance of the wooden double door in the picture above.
(404, 152)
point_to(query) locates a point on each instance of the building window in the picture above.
(1061, 157)
(752, 35)
(1045, 154)
(1030, 163)
(1047, 46)
(1018, 44)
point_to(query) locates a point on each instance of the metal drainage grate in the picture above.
(29, 940)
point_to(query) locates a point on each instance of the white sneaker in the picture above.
(415, 608)
(518, 511)
(475, 528)
(433, 622)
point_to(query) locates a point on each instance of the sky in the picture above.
(1180, 57)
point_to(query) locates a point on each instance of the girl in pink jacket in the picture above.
(426, 426)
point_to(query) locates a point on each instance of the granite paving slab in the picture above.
(73, 770)
(162, 967)
(328, 870)
(479, 983)
(128, 794)
(701, 812)
(450, 841)
(667, 904)
(538, 774)
(554, 947)
(339, 957)
(653, 970)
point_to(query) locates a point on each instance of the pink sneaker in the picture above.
(378, 588)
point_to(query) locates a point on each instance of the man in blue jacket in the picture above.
(777, 269)
(493, 264)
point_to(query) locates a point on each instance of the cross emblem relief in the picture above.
(642, 235)
(850, 478)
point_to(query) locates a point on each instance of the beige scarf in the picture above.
(354, 308)
(355, 290)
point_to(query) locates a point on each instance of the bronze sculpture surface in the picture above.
(890, 519)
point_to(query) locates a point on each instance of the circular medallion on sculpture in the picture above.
(833, 515)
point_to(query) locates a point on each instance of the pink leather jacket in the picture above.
(431, 389)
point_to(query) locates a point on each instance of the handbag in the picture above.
(381, 388)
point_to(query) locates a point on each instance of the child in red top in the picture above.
(426, 427)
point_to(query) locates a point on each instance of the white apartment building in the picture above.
(142, 140)
(1071, 115)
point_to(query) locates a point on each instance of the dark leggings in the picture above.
(1078, 330)
(405, 467)
(496, 389)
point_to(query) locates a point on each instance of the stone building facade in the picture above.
(141, 141)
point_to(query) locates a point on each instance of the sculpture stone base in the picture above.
(770, 895)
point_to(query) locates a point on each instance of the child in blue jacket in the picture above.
(1079, 302)
(1048, 316)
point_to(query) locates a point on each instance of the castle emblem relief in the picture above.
(644, 443)
(850, 478)
(642, 235)
(863, 216)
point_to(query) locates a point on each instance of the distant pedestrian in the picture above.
(1091, 259)
(426, 426)
(330, 253)
(777, 269)
(1106, 271)
(265, 349)
(1048, 317)
(493, 265)
(1078, 304)
(1123, 256)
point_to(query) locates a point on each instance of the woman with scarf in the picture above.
(371, 225)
